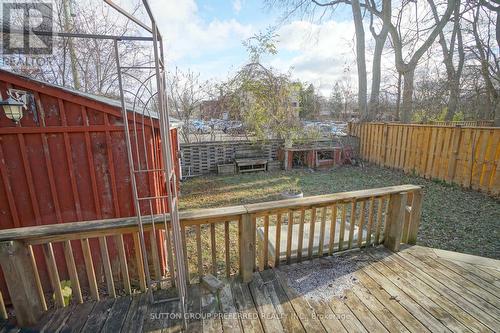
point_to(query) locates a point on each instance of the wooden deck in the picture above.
(417, 289)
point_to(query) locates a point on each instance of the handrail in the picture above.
(324, 224)
(204, 214)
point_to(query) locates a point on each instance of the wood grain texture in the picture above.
(456, 152)
(409, 291)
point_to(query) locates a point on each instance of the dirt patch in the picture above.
(324, 278)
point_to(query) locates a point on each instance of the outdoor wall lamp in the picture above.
(13, 109)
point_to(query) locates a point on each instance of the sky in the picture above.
(206, 36)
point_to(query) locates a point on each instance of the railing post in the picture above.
(416, 212)
(20, 279)
(247, 247)
(395, 221)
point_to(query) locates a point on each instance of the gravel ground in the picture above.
(324, 278)
(453, 218)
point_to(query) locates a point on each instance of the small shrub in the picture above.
(67, 292)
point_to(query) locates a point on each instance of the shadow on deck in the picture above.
(417, 289)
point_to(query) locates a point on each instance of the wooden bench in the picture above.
(250, 160)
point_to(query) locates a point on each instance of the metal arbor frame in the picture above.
(156, 101)
(168, 168)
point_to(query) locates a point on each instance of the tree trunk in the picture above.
(407, 105)
(68, 26)
(453, 75)
(377, 59)
(398, 98)
(360, 59)
(408, 69)
(376, 76)
(454, 96)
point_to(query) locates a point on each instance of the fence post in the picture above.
(247, 247)
(455, 145)
(385, 132)
(395, 220)
(20, 279)
(285, 166)
(415, 214)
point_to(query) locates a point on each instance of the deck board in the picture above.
(391, 303)
(78, 318)
(492, 271)
(412, 279)
(459, 299)
(415, 290)
(302, 308)
(281, 303)
(267, 312)
(364, 315)
(230, 323)
(472, 277)
(194, 323)
(117, 314)
(390, 322)
(244, 304)
(209, 309)
(58, 319)
(327, 317)
(350, 322)
(453, 284)
(435, 306)
(98, 316)
(476, 271)
(419, 312)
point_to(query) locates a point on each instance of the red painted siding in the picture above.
(66, 161)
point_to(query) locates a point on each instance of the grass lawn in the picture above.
(453, 218)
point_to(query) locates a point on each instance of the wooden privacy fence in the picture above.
(221, 241)
(467, 156)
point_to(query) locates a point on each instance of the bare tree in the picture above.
(482, 23)
(360, 60)
(185, 94)
(380, 39)
(453, 73)
(89, 64)
(407, 68)
(307, 8)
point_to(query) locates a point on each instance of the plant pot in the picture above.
(288, 195)
(226, 169)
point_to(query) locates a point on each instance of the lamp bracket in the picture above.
(18, 95)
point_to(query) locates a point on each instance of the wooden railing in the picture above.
(222, 241)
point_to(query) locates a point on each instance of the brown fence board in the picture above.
(467, 156)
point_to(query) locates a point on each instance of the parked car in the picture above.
(235, 127)
(199, 126)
